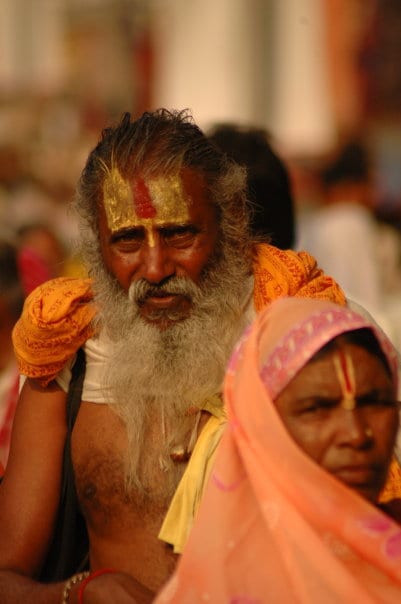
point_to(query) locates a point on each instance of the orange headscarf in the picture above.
(273, 526)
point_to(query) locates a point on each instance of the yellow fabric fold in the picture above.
(178, 521)
(55, 322)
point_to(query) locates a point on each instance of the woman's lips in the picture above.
(361, 474)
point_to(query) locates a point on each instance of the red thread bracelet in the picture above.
(96, 573)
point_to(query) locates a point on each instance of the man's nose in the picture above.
(156, 263)
(353, 429)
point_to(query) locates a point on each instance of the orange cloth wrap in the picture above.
(279, 273)
(57, 316)
(55, 322)
(392, 488)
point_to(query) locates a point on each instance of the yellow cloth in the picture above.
(184, 505)
(55, 322)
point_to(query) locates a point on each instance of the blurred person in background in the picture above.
(342, 231)
(272, 216)
(41, 255)
(11, 300)
(389, 251)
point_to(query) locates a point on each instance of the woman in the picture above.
(290, 513)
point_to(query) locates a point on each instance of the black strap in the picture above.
(68, 552)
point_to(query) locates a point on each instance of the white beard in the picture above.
(159, 376)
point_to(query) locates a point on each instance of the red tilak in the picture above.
(347, 379)
(143, 205)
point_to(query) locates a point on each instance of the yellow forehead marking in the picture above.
(146, 204)
(346, 376)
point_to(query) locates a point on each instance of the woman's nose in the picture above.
(353, 428)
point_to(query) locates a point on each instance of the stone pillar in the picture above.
(31, 45)
(302, 114)
(207, 58)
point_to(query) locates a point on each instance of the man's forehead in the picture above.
(137, 201)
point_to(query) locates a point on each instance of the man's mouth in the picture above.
(164, 308)
(162, 300)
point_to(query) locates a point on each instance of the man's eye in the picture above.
(179, 236)
(127, 241)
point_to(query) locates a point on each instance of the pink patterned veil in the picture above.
(273, 526)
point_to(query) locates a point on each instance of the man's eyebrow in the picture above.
(132, 230)
(174, 226)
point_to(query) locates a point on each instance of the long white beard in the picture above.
(159, 375)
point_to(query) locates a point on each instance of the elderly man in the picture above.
(175, 278)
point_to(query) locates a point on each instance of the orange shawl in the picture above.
(55, 322)
(57, 316)
(273, 526)
(279, 273)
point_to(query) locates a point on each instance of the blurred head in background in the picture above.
(269, 188)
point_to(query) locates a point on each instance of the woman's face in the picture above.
(353, 441)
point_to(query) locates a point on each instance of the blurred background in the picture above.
(311, 72)
(321, 79)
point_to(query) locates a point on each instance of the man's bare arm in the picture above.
(116, 587)
(29, 493)
(29, 497)
(16, 589)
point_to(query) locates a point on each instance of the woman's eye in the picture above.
(317, 408)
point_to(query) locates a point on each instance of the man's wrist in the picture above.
(69, 584)
(89, 577)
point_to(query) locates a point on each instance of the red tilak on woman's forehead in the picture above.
(346, 376)
(349, 385)
(142, 200)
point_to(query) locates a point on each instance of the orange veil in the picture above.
(273, 526)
